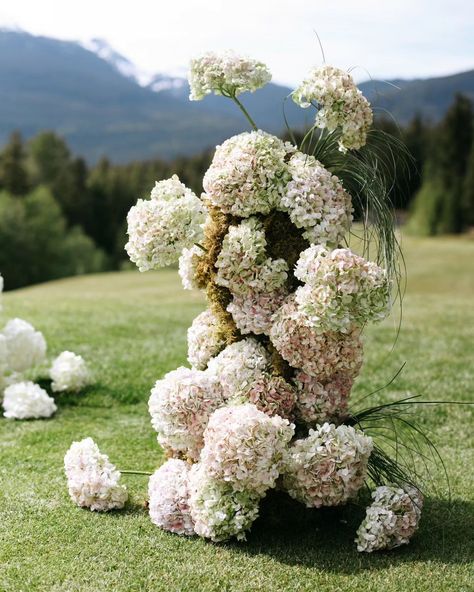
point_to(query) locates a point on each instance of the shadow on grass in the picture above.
(94, 396)
(324, 539)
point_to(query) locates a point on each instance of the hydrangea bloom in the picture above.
(272, 395)
(239, 365)
(318, 402)
(391, 520)
(204, 341)
(342, 289)
(93, 481)
(159, 228)
(168, 494)
(242, 264)
(26, 347)
(340, 105)
(220, 512)
(253, 313)
(328, 467)
(69, 372)
(316, 201)
(187, 266)
(319, 354)
(26, 400)
(248, 174)
(225, 74)
(245, 447)
(180, 406)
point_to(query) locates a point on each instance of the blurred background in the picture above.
(94, 108)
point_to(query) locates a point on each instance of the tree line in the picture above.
(59, 216)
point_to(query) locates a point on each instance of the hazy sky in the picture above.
(394, 38)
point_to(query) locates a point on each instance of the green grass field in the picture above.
(132, 329)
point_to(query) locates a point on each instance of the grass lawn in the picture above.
(132, 329)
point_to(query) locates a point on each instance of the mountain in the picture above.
(103, 105)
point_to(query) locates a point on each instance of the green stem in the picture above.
(201, 247)
(131, 472)
(245, 112)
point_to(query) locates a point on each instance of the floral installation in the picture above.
(266, 403)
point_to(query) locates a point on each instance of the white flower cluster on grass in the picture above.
(26, 400)
(159, 228)
(93, 481)
(69, 373)
(26, 347)
(329, 466)
(187, 266)
(316, 201)
(391, 520)
(203, 340)
(168, 492)
(248, 174)
(225, 73)
(180, 406)
(341, 289)
(341, 105)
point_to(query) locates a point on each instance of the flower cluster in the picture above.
(180, 406)
(187, 263)
(26, 400)
(93, 481)
(391, 520)
(328, 467)
(225, 74)
(168, 492)
(25, 347)
(340, 104)
(341, 289)
(161, 227)
(69, 372)
(204, 341)
(253, 313)
(272, 395)
(316, 201)
(248, 174)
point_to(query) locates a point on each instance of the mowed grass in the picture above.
(132, 329)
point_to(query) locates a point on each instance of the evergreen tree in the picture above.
(13, 174)
(468, 192)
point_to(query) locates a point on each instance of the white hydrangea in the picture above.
(242, 264)
(26, 347)
(270, 394)
(342, 289)
(316, 201)
(248, 174)
(168, 494)
(225, 73)
(187, 266)
(329, 466)
(93, 481)
(161, 227)
(69, 372)
(391, 520)
(239, 365)
(253, 313)
(341, 105)
(245, 447)
(180, 406)
(26, 400)
(219, 512)
(204, 340)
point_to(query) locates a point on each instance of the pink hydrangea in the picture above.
(253, 312)
(272, 395)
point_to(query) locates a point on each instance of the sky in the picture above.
(380, 39)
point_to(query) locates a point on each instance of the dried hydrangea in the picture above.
(26, 400)
(318, 402)
(341, 289)
(245, 447)
(253, 312)
(26, 347)
(187, 263)
(225, 73)
(220, 512)
(391, 520)
(248, 174)
(69, 372)
(239, 365)
(180, 406)
(341, 105)
(316, 201)
(93, 481)
(328, 467)
(204, 340)
(242, 264)
(272, 395)
(168, 494)
(319, 354)
(161, 227)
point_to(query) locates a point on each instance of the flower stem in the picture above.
(245, 112)
(132, 472)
